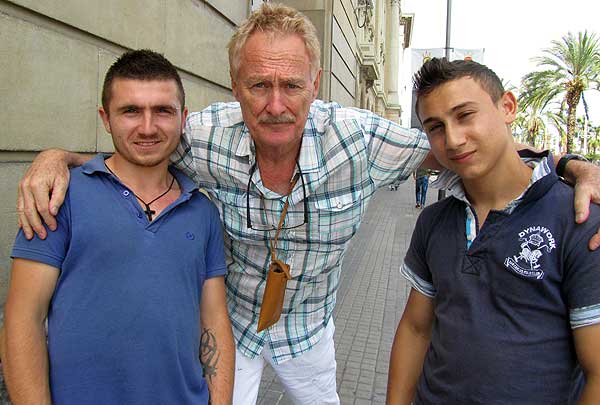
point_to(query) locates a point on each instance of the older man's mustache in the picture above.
(277, 119)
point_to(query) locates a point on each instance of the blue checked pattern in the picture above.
(346, 154)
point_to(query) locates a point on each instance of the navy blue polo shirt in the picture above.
(505, 305)
(123, 324)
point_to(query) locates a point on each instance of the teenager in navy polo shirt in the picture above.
(505, 299)
(132, 280)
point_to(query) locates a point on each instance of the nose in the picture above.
(276, 102)
(147, 125)
(455, 137)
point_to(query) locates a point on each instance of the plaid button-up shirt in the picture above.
(346, 154)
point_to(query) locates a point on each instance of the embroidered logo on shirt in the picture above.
(535, 241)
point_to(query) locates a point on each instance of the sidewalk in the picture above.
(369, 302)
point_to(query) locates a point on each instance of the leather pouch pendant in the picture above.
(272, 302)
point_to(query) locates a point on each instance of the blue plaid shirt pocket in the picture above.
(339, 217)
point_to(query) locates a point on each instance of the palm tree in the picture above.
(558, 120)
(530, 118)
(570, 67)
(594, 142)
(532, 126)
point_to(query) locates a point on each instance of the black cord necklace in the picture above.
(149, 212)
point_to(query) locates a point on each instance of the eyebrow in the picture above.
(152, 107)
(258, 79)
(452, 110)
(126, 107)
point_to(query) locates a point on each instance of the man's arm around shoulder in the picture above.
(25, 363)
(409, 348)
(42, 190)
(217, 349)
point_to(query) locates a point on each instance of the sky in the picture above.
(510, 31)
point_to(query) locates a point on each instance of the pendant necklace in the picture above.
(149, 212)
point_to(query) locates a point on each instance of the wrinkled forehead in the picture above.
(269, 48)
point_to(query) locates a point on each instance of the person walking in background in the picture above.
(421, 184)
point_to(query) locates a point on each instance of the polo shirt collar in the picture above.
(542, 178)
(96, 165)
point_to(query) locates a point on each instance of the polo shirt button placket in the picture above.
(126, 194)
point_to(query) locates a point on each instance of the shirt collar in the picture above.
(96, 165)
(542, 165)
(246, 145)
(310, 158)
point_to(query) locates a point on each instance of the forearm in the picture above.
(430, 162)
(2, 343)
(406, 363)
(71, 159)
(25, 364)
(217, 355)
(591, 391)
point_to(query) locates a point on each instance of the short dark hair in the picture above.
(141, 64)
(438, 71)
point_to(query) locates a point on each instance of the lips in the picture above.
(461, 158)
(146, 144)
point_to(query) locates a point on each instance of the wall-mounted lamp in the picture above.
(361, 11)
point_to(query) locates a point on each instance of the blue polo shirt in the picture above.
(505, 302)
(123, 324)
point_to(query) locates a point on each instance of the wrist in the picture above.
(567, 166)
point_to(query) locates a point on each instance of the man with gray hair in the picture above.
(292, 177)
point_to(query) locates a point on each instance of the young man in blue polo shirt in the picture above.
(505, 299)
(132, 281)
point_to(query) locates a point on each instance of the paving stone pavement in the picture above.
(370, 301)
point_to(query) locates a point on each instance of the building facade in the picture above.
(363, 43)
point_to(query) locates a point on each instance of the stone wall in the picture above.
(53, 58)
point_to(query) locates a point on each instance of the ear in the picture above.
(508, 103)
(317, 84)
(234, 87)
(184, 115)
(104, 116)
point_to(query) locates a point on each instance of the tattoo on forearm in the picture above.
(209, 355)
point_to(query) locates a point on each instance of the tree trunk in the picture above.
(571, 125)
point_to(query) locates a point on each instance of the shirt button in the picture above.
(139, 215)
(339, 204)
(126, 193)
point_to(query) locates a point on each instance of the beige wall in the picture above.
(344, 66)
(53, 57)
(335, 24)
